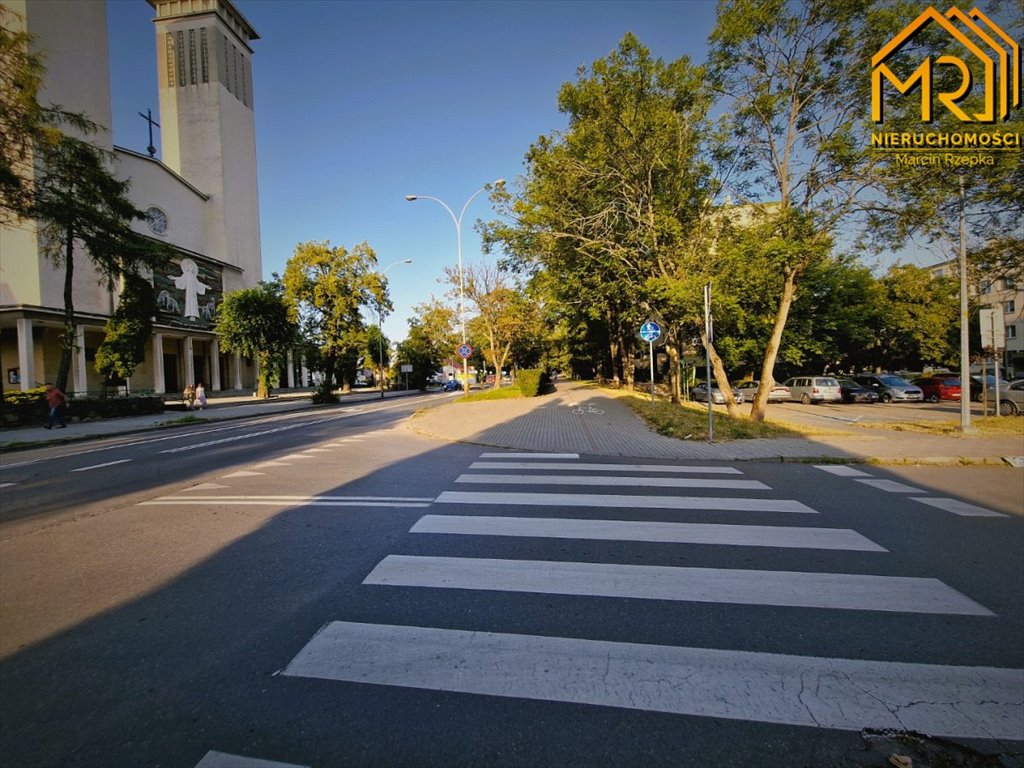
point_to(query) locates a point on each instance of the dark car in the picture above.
(451, 385)
(856, 393)
(937, 388)
(978, 387)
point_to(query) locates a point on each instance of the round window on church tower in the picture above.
(156, 219)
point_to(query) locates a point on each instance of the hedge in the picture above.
(24, 409)
(530, 381)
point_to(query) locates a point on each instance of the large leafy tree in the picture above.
(610, 201)
(257, 323)
(783, 72)
(326, 286)
(128, 330)
(419, 350)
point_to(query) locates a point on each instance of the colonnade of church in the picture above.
(238, 373)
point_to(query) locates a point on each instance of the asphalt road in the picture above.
(330, 589)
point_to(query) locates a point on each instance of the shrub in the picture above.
(530, 381)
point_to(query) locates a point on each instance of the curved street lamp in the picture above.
(462, 285)
(380, 324)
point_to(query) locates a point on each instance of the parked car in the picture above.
(856, 393)
(890, 388)
(779, 393)
(977, 387)
(937, 388)
(1011, 401)
(451, 386)
(814, 389)
(699, 393)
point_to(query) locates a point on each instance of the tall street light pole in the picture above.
(380, 324)
(965, 356)
(462, 284)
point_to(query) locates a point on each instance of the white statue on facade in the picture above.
(189, 281)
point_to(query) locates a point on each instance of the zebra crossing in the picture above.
(839, 693)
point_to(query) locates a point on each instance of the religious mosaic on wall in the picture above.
(187, 293)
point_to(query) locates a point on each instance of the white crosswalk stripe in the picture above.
(850, 694)
(950, 701)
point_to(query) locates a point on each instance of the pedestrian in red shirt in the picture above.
(55, 399)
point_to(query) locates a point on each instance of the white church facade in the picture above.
(201, 197)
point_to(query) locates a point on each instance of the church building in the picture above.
(200, 197)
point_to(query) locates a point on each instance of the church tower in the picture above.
(207, 124)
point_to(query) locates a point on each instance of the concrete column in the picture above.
(237, 370)
(215, 365)
(190, 368)
(159, 377)
(305, 371)
(291, 370)
(26, 354)
(79, 364)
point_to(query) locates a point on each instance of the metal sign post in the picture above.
(651, 332)
(708, 331)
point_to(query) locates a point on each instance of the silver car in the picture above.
(814, 389)
(699, 393)
(1011, 399)
(890, 388)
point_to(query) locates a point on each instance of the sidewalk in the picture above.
(575, 419)
(578, 419)
(219, 408)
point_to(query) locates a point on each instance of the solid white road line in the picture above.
(846, 694)
(101, 466)
(891, 486)
(604, 467)
(846, 591)
(609, 501)
(625, 481)
(529, 455)
(306, 501)
(958, 507)
(628, 530)
(841, 469)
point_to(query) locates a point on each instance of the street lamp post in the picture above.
(462, 284)
(380, 325)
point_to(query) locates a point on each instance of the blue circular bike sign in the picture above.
(465, 351)
(650, 331)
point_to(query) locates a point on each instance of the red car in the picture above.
(937, 388)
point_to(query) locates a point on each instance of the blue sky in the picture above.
(360, 103)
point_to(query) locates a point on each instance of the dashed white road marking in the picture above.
(529, 455)
(890, 486)
(631, 530)
(958, 507)
(205, 487)
(224, 760)
(7, 485)
(621, 481)
(101, 466)
(845, 694)
(842, 470)
(610, 501)
(244, 473)
(843, 591)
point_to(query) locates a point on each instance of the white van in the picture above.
(814, 389)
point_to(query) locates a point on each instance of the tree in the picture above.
(782, 70)
(378, 350)
(419, 351)
(325, 287)
(257, 323)
(606, 204)
(128, 330)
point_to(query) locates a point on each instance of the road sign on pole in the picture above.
(650, 331)
(465, 351)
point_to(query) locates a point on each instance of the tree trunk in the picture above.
(68, 340)
(675, 373)
(262, 386)
(721, 378)
(757, 413)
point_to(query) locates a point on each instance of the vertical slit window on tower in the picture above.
(236, 91)
(192, 57)
(225, 76)
(245, 83)
(204, 56)
(169, 45)
(180, 57)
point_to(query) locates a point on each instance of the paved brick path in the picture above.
(581, 419)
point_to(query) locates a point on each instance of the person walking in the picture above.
(201, 396)
(55, 399)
